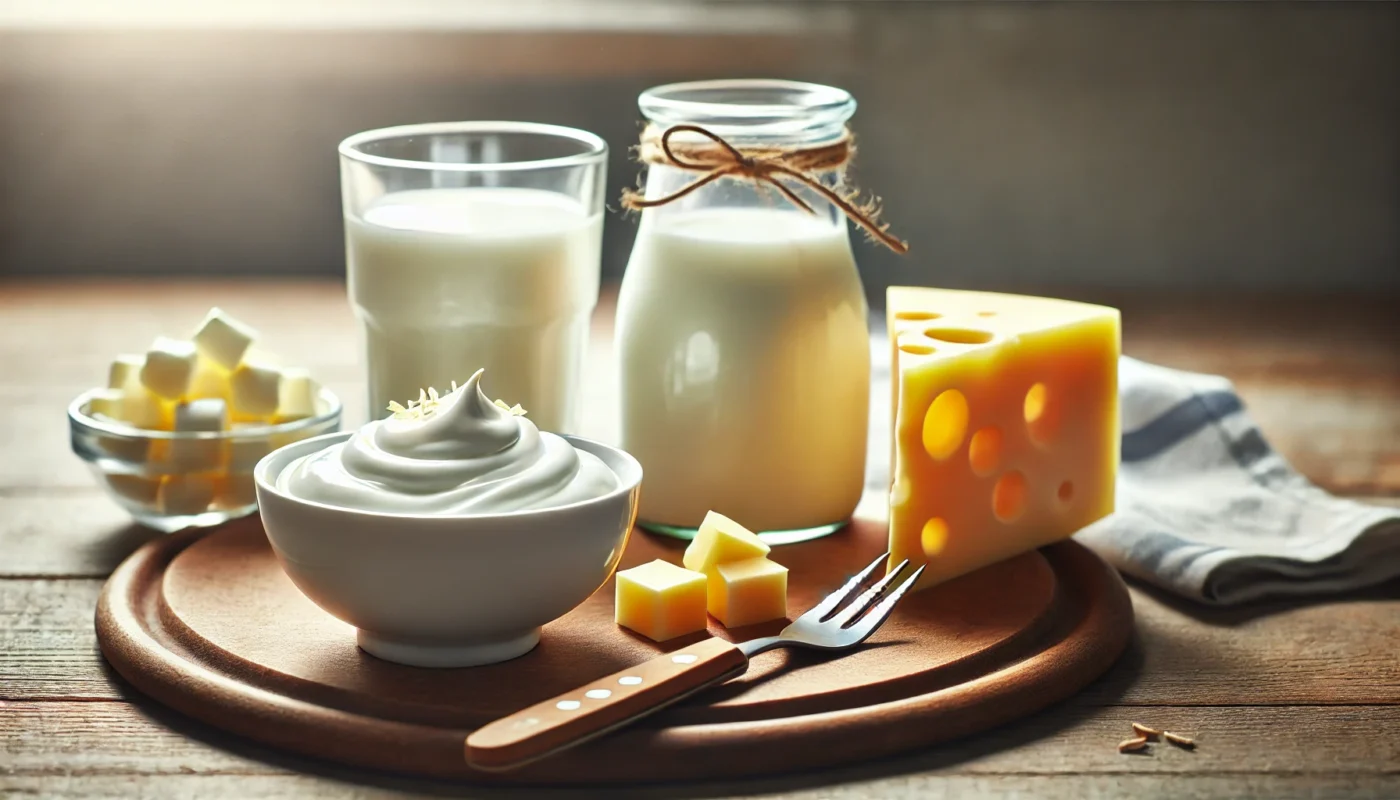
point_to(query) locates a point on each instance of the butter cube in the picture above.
(138, 407)
(168, 367)
(297, 396)
(209, 381)
(721, 539)
(107, 403)
(133, 450)
(223, 339)
(125, 371)
(142, 409)
(256, 390)
(245, 451)
(234, 491)
(660, 600)
(207, 415)
(199, 416)
(185, 494)
(747, 592)
(136, 488)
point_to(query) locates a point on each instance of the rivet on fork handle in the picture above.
(602, 705)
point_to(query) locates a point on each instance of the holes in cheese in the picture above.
(986, 465)
(1034, 406)
(916, 349)
(945, 424)
(984, 452)
(1042, 414)
(959, 335)
(1009, 496)
(934, 536)
(1066, 491)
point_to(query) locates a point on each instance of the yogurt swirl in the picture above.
(464, 455)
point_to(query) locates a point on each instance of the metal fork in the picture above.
(839, 622)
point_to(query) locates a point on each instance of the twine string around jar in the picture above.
(764, 166)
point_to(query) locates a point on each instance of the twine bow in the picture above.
(764, 166)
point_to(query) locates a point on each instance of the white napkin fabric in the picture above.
(1205, 507)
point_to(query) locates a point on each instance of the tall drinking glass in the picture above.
(475, 245)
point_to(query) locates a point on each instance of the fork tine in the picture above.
(871, 596)
(822, 611)
(877, 616)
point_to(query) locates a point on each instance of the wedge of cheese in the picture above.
(1005, 434)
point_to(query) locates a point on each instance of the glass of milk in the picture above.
(742, 345)
(475, 245)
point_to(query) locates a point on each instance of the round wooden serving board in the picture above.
(208, 624)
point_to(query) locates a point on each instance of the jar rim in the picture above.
(752, 108)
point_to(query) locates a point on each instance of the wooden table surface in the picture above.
(1286, 698)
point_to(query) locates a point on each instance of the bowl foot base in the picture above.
(440, 655)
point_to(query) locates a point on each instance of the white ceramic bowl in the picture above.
(448, 591)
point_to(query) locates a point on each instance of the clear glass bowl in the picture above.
(169, 481)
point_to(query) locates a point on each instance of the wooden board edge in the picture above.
(125, 611)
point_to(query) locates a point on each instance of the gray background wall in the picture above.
(1120, 145)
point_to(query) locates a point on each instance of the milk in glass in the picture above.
(448, 281)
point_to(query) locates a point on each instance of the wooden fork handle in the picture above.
(603, 705)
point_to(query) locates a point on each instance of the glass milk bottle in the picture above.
(743, 351)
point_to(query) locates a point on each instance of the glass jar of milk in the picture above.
(743, 351)
(474, 245)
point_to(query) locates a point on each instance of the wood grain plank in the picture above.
(937, 786)
(120, 738)
(49, 644)
(1337, 651)
(79, 533)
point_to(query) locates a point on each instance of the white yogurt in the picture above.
(464, 455)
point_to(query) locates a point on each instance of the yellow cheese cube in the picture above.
(1005, 424)
(719, 540)
(746, 592)
(660, 600)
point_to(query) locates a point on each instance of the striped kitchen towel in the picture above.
(1205, 507)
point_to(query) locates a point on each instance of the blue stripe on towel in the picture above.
(1178, 423)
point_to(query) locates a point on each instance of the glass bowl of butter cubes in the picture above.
(176, 432)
